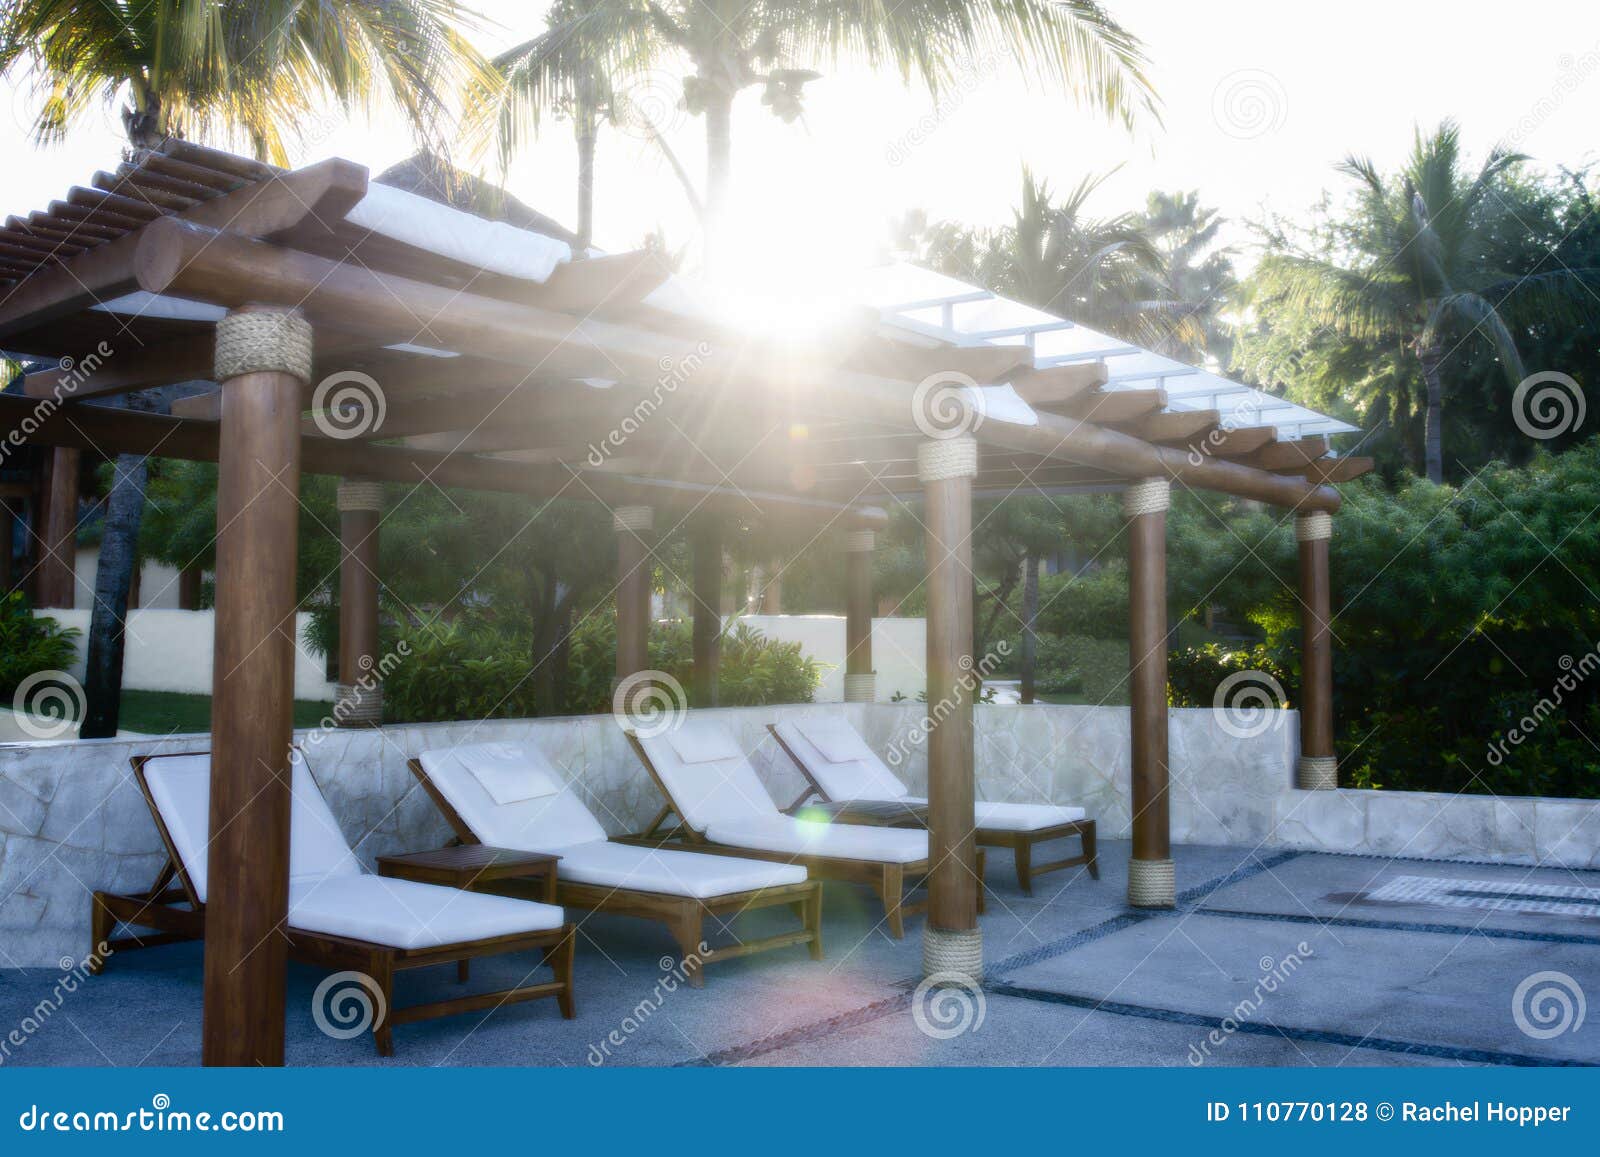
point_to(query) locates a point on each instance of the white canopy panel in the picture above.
(944, 308)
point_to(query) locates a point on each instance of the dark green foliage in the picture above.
(479, 668)
(29, 644)
(1195, 673)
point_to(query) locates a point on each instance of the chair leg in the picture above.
(893, 892)
(565, 953)
(812, 918)
(101, 924)
(687, 929)
(1090, 850)
(382, 972)
(1024, 856)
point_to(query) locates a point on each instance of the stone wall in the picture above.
(72, 818)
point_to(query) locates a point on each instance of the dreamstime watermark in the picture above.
(160, 1117)
(73, 973)
(674, 373)
(1249, 703)
(673, 973)
(970, 73)
(967, 683)
(1548, 404)
(649, 703)
(348, 404)
(1241, 416)
(948, 1004)
(362, 688)
(1547, 1004)
(648, 104)
(1274, 975)
(48, 704)
(71, 374)
(347, 1004)
(947, 404)
(1572, 71)
(1249, 104)
(1576, 672)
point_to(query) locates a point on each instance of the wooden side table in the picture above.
(474, 868)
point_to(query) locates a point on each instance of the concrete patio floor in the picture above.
(1328, 974)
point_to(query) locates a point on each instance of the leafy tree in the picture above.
(1415, 266)
(771, 44)
(1194, 277)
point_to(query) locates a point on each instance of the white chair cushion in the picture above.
(670, 872)
(721, 790)
(545, 823)
(804, 838)
(181, 788)
(703, 744)
(860, 778)
(1019, 817)
(406, 914)
(509, 772)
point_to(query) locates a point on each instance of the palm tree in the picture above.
(1419, 270)
(1195, 272)
(215, 67)
(731, 45)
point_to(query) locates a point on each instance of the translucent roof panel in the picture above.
(937, 305)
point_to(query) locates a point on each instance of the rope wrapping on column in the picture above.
(859, 541)
(861, 688)
(253, 341)
(1316, 772)
(1146, 496)
(1152, 884)
(960, 953)
(633, 518)
(360, 495)
(358, 706)
(1311, 527)
(947, 458)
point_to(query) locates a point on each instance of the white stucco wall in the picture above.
(170, 650)
(158, 583)
(71, 818)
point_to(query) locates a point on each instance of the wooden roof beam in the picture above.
(1286, 455)
(1055, 385)
(1108, 407)
(1327, 471)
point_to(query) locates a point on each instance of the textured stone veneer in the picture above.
(71, 817)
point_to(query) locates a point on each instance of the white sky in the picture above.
(1324, 81)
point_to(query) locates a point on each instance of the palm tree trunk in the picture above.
(1030, 616)
(587, 127)
(1432, 442)
(719, 169)
(102, 682)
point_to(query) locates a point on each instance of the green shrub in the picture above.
(1195, 673)
(29, 644)
(481, 668)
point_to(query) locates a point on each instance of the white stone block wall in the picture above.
(72, 818)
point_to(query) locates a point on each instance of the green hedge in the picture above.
(479, 668)
(29, 644)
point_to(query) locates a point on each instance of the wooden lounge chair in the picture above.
(724, 809)
(679, 888)
(842, 769)
(340, 916)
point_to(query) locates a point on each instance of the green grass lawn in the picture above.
(167, 712)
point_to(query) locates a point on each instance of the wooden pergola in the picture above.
(189, 264)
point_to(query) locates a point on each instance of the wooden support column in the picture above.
(952, 944)
(58, 554)
(707, 611)
(860, 683)
(360, 702)
(633, 524)
(1150, 877)
(1318, 767)
(263, 360)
